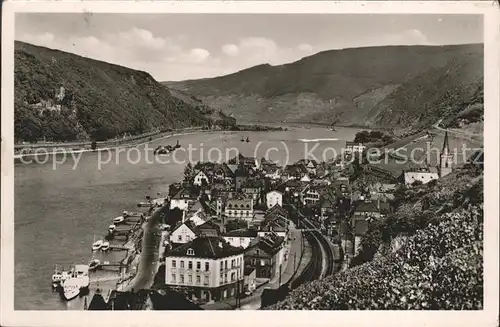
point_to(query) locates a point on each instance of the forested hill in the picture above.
(65, 97)
(398, 87)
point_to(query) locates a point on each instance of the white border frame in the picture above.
(486, 317)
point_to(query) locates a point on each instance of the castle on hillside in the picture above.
(429, 173)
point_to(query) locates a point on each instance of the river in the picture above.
(59, 208)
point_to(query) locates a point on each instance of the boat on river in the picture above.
(105, 246)
(78, 282)
(97, 245)
(59, 276)
(118, 220)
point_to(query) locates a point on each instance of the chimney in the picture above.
(183, 216)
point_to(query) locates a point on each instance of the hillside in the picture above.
(360, 85)
(65, 97)
(428, 255)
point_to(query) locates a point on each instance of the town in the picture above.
(243, 233)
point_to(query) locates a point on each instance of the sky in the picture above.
(173, 47)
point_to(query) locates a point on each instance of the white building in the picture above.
(240, 238)
(239, 209)
(423, 175)
(199, 177)
(273, 198)
(352, 147)
(183, 233)
(209, 267)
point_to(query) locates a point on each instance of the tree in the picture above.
(235, 224)
(188, 172)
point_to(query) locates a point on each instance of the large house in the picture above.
(240, 237)
(200, 177)
(223, 174)
(265, 254)
(239, 209)
(309, 195)
(207, 268)
(183, 233)
(251, 189)
(274, 198)
(182, 199)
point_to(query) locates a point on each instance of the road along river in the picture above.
(60, 207)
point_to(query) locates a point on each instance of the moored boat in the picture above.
(77, 282)
(94, 264)
(118, 220)
(59, 276)
(111, 228)
(97, 245)
(105, 246)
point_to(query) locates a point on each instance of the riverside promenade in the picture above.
(148, 263)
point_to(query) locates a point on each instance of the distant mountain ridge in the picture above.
(64, 97)
(398, 87)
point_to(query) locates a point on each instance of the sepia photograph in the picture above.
(248, 161)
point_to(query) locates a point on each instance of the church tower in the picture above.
(446, 159)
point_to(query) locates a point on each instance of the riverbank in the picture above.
(41, 151)
(31, 149)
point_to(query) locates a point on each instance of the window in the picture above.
(225, 278)
(198, 279)
(225, 264)
(190, 279)
(221, 266)
(188, 238)
(182, 263)
(174, 277)
(221, 279)
(179, 238)
(207, 267)
(205, 280)
(262, 263)
(174, 263)
(190, 252)
(233, 277)
(242, 240)
(230, 239)
(182, 279)
(190, 264)
(198, 265)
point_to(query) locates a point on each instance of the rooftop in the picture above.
(243, 232)
(208, 247)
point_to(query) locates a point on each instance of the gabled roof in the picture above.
(184, 193)
(189, 224)
(232, 167)
(271, 243)
(243, 232)
(365, 206)
(206, 247)
(225, 169)
(276, 211)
